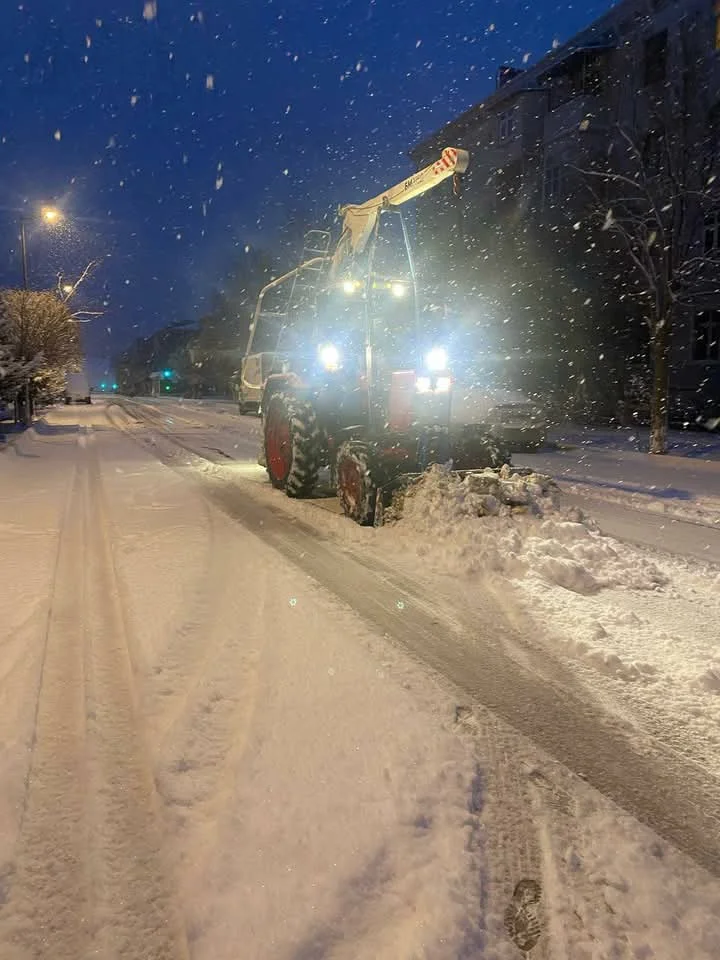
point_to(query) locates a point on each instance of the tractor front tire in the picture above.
(356, 486)
(293, 444)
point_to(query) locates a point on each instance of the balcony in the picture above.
(585, 114)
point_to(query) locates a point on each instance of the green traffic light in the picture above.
(167, 374)
(102, 386)
(115, 386)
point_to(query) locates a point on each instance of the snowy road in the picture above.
(667, 503)
(219, 735)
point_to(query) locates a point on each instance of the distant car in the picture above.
(514, 418)
(77, 388)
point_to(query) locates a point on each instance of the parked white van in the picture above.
(77, 388)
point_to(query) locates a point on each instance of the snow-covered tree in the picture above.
(13, 371)
(654, 190)
(39, 331)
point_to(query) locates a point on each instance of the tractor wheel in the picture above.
(292, 445)
(356, 487)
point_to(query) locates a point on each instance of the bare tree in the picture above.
(67, 289)
(654, 190)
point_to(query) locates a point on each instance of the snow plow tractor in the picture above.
(359, 388)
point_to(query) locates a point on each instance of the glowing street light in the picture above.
(51, 216)
(68, 288)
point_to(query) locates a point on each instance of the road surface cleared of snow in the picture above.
(239, 765)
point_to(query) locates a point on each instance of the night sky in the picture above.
(175, 137)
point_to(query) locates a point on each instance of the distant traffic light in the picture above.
(115, 386)
(167, 374)
(102, 386)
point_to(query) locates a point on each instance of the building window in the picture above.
(706, 335)
(553, 184)
(656, 58)
(506, 125)
(712, 232)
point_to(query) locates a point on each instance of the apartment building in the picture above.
(523, 227)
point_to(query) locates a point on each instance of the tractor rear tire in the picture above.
(356, 487)
(293, 444)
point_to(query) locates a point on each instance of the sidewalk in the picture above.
(694, 444)
(612, 461)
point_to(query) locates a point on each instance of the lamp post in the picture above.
(48, 215)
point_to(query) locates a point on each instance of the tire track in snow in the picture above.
(204, 693)
(141, 917)
(671, 795)
(49, 890)
(89, 878)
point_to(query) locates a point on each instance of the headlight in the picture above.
(423, 385)
(398, 290)
(443, 384)
(350, 286)
(329, 356)
(436, 360)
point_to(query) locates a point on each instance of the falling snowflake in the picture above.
(219, 181)
(57, 135)
(209, 82)
(150, 10)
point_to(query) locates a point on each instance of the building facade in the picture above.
(618, 106)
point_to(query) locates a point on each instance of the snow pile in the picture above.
(709, 681)
(512, 523)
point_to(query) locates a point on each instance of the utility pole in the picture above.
(23, 247)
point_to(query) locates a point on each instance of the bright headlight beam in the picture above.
(436, 360)
(329, 356)
(398, 290)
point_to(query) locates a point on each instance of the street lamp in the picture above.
(50, 216)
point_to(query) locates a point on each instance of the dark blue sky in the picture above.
(175, 141)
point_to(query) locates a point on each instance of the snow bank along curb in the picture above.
(513, 524)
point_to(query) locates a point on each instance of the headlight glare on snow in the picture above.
(442, 385)
(423, 384)
(329, 356)
(436, 360)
